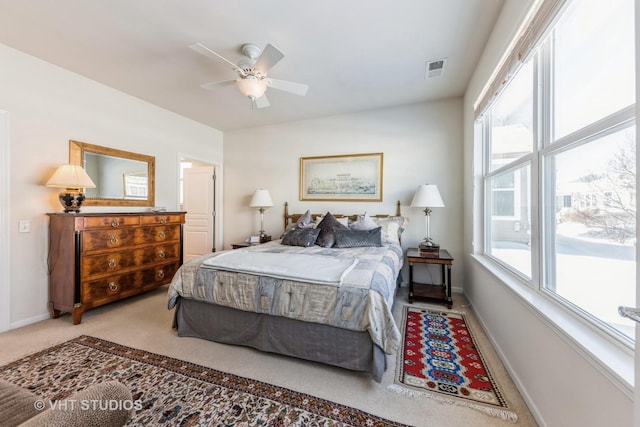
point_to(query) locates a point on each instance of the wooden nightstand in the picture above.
(243, 245)
(433, 292)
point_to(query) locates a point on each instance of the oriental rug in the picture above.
(173, 392)
(440, 359)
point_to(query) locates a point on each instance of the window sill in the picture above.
(612, 358)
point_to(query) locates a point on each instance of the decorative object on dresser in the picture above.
(261, 199)
(427, 196)
(74, 179)
(98, 258)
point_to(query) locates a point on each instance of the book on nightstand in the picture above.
(429, 250)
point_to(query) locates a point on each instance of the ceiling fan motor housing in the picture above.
(251, 50)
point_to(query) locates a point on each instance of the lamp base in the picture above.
(71, 201)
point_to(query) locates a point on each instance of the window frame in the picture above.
(542, 197)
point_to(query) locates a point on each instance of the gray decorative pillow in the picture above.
(305, 221)
(329, 223)
(304, 237)
(346, 238)
(364, 222)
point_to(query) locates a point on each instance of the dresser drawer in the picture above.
(162, 219)
(111, 221)
(160, 275)
(117, 262)
(109, 287)
(96, 240)
(119, 285)
(159, 233)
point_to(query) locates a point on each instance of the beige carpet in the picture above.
(144, 322)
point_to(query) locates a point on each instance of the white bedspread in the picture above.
(300, 267)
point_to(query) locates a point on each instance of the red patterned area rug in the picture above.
(441, 360)
(172, 392)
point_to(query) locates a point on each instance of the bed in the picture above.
(329, 302)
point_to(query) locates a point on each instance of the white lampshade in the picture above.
(70, 176)
(261, 199)
(427, 196)
(251, 87)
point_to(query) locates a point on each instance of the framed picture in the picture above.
(352, 177)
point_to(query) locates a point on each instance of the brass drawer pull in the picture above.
(161, 253)
(113, 240)
(161, 274)
(162, 235)
(163, 220)
(115, 222)
(112, 263)
(113, 286)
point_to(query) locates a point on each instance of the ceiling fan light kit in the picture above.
(252, 87)
(252, 73)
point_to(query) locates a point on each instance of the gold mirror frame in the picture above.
(77, 152)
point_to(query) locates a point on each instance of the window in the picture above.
(510, 143)
(593, 63)
(510, 218)
(560, 136)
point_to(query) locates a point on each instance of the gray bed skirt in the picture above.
(352, 350)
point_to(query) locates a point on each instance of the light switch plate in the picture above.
(24, 226)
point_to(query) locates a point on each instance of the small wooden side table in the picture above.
(243, 245)
(433, 292)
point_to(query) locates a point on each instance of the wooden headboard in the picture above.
(293, 218)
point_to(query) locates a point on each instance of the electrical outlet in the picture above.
(24, 226)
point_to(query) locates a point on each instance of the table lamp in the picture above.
(261, 199)
(73, 178)
(427, 196)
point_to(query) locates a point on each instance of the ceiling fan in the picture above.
(252, 71)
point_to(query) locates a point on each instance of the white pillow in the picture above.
(363, 222)
(392, 228)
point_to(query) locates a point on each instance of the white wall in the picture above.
(47, 107)
(560, 382)
(421, 144)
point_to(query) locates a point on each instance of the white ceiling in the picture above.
(355, 55)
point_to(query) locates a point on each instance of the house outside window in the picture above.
(559, 146)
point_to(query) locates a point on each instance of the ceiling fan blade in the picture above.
(292, 87)
(202, 49)
(262, 102)
(269, 57)
(213, 85)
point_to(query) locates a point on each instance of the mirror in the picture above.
(122, 178)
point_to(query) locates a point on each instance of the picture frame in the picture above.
(350, 177)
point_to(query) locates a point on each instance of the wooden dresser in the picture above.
(95, 259)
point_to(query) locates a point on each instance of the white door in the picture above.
(199, 196)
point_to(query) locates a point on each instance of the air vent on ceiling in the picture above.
(435, 68)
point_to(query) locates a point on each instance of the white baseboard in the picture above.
(25, 322)
(514, 375)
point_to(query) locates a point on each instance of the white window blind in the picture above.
(535, 27)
